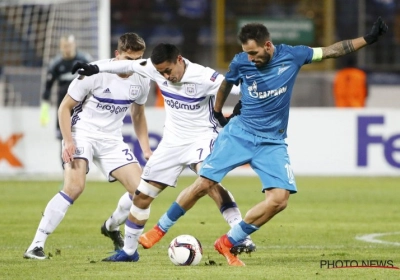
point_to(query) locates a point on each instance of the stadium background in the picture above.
(30, 29)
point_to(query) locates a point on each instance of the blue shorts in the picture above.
(267, 157)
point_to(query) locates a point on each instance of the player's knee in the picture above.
(139, 213)
(146, 189)
(278, 199)
(73, 190)
(203, 186)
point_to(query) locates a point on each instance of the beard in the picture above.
(262, 60)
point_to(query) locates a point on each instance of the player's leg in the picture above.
(178, 158)
(231, 213)
(110, 227)
(117, 162)
(129, 176)
(146, 191)
(74, 184)
(187, 198)
(162, 170)
(202, 186)
(278, 182)
(138, 215)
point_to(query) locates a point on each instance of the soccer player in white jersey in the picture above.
(93, 135)
(189, 133)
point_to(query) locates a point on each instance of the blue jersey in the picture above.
(266, 91)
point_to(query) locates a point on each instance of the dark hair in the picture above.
(164, 53)
(254, 31)
(131, 41)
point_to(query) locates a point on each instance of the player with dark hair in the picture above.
(92, 135)
(59, 70)
(266, 74)
(189, 133)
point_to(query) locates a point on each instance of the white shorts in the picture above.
(107, 154)
(167, 163)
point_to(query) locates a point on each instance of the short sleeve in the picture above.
(79, 88)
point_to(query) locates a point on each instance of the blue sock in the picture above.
(167, 220)
(240, 231)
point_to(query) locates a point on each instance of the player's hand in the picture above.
(86, 69)
(220, 118)
(147, 154)
(236, 110)
(44, 113)
(378, 29)
(68, 151)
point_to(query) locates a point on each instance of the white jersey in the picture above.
(104, 100)
(188, 103)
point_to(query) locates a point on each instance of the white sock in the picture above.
(52, 217)
(132, 235)
(232, 216)
(120, 214)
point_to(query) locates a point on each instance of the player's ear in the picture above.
(116, 53)
(267, 45)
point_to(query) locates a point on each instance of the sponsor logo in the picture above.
(177, 105)
(250, 76)
(391, 150)
(165, 83)
(6, 150)
(107, 90)
(112, 108)
(265, 94)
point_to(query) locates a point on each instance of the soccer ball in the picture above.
(185, 250)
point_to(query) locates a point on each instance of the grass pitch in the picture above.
(320, 224)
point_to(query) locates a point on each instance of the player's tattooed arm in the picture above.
(223, 92)
(343, 47)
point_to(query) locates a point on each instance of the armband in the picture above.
(317, 55)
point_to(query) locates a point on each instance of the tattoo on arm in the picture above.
(225, 88)
(338, 49)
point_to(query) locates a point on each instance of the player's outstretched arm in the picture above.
(341, 48)
(115, 67)
(85, 69)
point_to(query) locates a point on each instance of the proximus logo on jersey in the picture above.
(112, 108)
(177, 105)
(264, 94)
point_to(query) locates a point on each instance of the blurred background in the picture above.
(205, 31)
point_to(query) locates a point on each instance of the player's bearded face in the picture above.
(259, 55)
(262, 58)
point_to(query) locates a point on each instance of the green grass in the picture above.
(320, 223)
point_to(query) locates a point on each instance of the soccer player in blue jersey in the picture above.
(266, 74)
